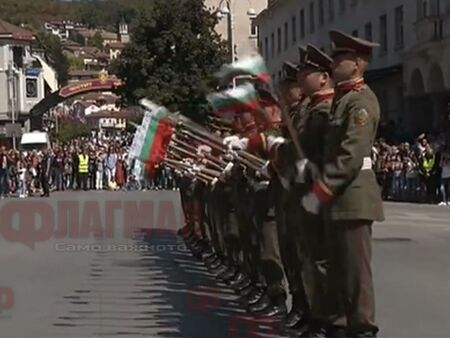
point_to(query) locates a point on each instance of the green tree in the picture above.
(76, 63)
(173, 50)
(96, 40)
(71, 129)
(33, 13)
(54, 53)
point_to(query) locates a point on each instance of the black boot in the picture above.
(217, 270)
(293, 318)
(227, 274)
(337, 332)
(252, 297)
(244, 284)
(274, 310)
(262, 304)
(365, 334)
(237, 279)
(314, 333)
(245, 291)
(215, 264)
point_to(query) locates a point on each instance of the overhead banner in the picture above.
(87, 86)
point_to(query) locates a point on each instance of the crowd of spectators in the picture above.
(26, 173)
(417, 172)
(409, 172)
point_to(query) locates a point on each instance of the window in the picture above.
(435, 9)
(302, 24)
(294, 29)
(321, 13)
(399, 27)
(342, 6)
(286, 35)
(311, 17)
(272, 45)
(253, 28)
(330, 10)
(266, 47)
(425, 9)
(279, 40)
(368, 31)
(18, 55)
(383, 34)
(355, 33)
(31, 87)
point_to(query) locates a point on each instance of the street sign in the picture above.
(32, 72)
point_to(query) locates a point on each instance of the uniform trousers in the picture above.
(350, 293)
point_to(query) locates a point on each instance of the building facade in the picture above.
(426, 66)
(61, 29)
(22, 82)
(413, 37)
(241, 25)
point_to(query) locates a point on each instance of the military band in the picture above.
(300, 224)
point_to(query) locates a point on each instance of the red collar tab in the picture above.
(321, 96)
(352, 85)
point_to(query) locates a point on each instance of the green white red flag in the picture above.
(252, 65)
(152, 137)
(230, 102)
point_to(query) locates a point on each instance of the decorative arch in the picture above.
(416, 87)
(435, 83)
(103, 84)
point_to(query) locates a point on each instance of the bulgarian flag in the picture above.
(252, 65)
(153, 137)
(157, 137)
(230, 102)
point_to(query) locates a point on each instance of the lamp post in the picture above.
(226, 7)
(12, 98)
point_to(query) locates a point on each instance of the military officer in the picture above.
(303, 230)
(348, 192)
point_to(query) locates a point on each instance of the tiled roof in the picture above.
(10, 31)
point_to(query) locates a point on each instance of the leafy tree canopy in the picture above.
(70, 129)
(53, 50)
(174, 48)
(94, 13)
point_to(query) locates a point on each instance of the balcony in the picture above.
(429, 29)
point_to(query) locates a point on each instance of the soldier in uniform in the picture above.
(301, 234)
(348, 192)
(272, 301)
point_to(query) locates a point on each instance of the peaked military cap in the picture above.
(302, 54)
(316, 59)
(342, 42)
(290, 71)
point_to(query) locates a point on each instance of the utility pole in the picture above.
(12, 98)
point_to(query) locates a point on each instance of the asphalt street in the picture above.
(76, 283)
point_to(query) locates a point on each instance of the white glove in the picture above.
(311, 203)
(264, 171)
(301, 169)
(239, 144)
(274, 141)
(226, 172)
(228, 168)
(226, 141)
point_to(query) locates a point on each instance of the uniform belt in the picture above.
(367, 163)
